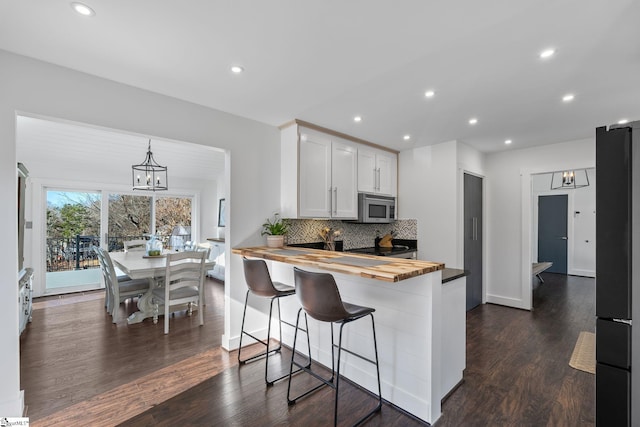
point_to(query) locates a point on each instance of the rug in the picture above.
(584, 353)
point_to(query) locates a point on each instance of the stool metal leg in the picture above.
(335, 371)
(266, 343)
(244, 315)
(306, 367)
(378, 407)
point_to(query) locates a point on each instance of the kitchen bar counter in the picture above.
(368, 266)
(407, 296)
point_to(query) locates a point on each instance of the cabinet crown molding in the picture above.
(336, 133)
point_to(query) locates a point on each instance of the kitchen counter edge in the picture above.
(390, 270)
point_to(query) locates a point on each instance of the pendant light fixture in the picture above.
(149, 175)
(569, 179)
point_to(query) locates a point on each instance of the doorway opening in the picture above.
(92, 167)
(563, 226)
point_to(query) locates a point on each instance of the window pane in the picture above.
(173, 220)
(129, 218)
(73, 219)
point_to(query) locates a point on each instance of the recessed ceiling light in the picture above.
(406, 137)
(473, 121)
(357, 119)
(237, 69)
(623, 121)
(547, 53)
(508, 141)
(82, 9)
(429, 94)
(568, 97)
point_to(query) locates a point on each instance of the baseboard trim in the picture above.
(509, 302)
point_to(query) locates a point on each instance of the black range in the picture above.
(400, 249)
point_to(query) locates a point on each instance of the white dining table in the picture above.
(138, 266)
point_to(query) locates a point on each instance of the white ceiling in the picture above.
(327, 61)
(100, 155)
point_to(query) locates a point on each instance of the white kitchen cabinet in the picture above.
(377, 171)
(25, 296)
(344, 180)
(217, 254)
(319, 175)
(315, 187)
(453, 349)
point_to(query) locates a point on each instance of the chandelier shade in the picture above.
(569, 179)
(149, 175)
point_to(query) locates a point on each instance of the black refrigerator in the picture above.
(617, 253)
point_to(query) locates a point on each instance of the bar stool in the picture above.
(259, 283)
(320, 299)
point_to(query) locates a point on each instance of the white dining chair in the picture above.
(206, 248)
(135, 245)
(118, 288)
(183, 284)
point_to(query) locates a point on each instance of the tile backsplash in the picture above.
(353, 235)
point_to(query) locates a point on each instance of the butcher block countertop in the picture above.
(372, 267)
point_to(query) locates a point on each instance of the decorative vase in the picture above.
(275, 241)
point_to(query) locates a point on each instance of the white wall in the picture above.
(508, 220)
(430, 189)
(38, 88)
(427, 186)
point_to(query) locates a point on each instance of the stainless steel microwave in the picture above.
(374, 209)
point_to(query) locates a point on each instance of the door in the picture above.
(367, 172)
(386, 174)
(315, 190)
(73, 221)
(344, 166)
(552, 232)
(473, 239)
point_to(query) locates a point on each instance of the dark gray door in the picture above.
(473, 239)
(552, 232)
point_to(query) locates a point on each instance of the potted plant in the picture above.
(275, 231)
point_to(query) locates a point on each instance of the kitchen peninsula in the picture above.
(407, 297)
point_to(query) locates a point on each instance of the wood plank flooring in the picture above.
(518, 371)
(78, 367)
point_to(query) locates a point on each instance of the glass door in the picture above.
(173, 221)
(74, 222)
(129, 219)
(72, 228)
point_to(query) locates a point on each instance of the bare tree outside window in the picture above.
(173, 220)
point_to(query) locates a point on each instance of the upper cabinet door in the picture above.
(387, 165)
(315, 192)
(344, 164)
(367, 171)
(377, 171)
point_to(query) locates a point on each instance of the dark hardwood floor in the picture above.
(518, 371)
(73, 360)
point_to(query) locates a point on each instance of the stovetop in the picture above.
(379, 251)
(400, 246)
